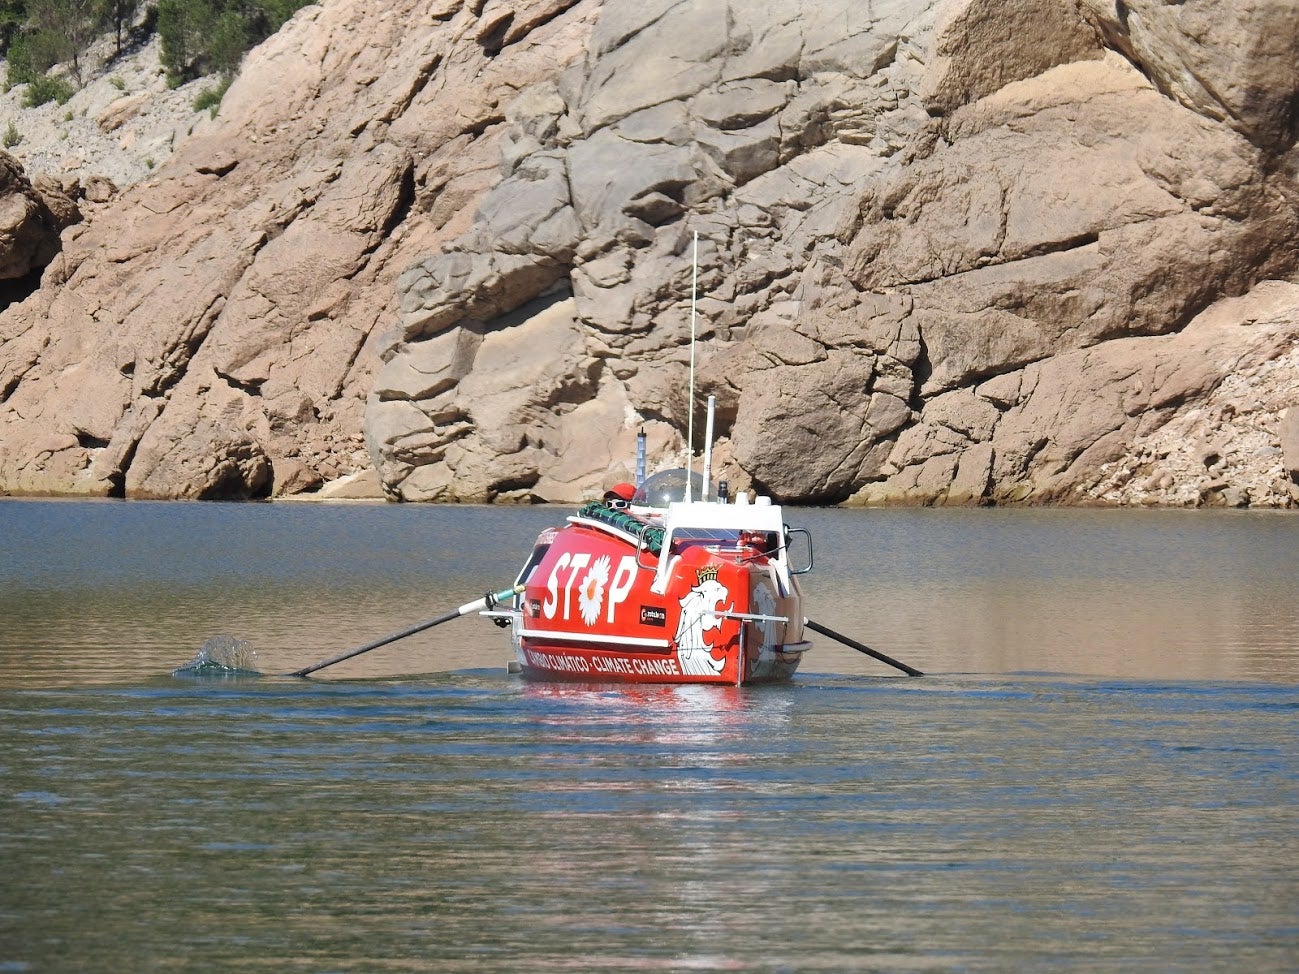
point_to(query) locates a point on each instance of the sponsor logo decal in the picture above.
(653, 615)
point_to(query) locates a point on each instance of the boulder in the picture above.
(981, 46)
(31, 219)
(1231, 61)
(1289, 435)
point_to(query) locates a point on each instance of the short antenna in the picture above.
(640, 457)
(708, 448)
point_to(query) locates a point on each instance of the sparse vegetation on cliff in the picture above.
(199, 37)
(39, 34)
(202, 37)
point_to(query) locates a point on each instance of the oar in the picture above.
(861, 648)
(486, 602)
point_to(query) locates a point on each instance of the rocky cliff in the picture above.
(974, 251)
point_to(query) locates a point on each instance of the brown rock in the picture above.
(662, 116)
(61, 204)
(1008, 264)
(972, 479)
(1244, 76)
(1290, 441)
(121, 111)
(291, 476)
(99, 189)
(972, 59)
(363, 485)
(256, 269)
(31, 218)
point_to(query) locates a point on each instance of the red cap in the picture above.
(623, 492)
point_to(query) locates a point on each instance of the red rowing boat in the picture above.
(654, 587)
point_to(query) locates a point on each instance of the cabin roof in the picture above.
(736, 517)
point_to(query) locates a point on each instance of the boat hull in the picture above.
(595, 608)
(555, 661)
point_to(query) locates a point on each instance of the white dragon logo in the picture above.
(699, 609)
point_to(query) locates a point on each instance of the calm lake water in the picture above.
(1100, 771)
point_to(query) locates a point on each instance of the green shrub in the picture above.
(201, 37)
(45, 89)
(231, 37)
(210, 98)
(12, 15)
(12, 136)
(31, 54)
(59, 32)
(118, 15)
(182, 27)
(278, 12)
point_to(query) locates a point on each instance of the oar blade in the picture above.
(861, 648)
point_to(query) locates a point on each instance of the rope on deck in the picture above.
(652, 534)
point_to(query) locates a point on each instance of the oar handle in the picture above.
(861, 648)
(486, 602)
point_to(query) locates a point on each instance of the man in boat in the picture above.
(619, 496)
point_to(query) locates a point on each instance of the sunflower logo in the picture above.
(590, 597)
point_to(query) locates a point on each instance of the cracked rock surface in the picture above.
(961, 252)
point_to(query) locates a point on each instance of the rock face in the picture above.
(31, 219)
(1290, 443)
(533, 349)
(949, 255)
(968, 252)
(212, 332)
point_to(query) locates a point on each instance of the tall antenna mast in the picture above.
(690, 406)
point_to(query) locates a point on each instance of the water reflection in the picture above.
(666, 714)
(1186, 595)
(991, 816)
(470, 822)
(104, 592)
